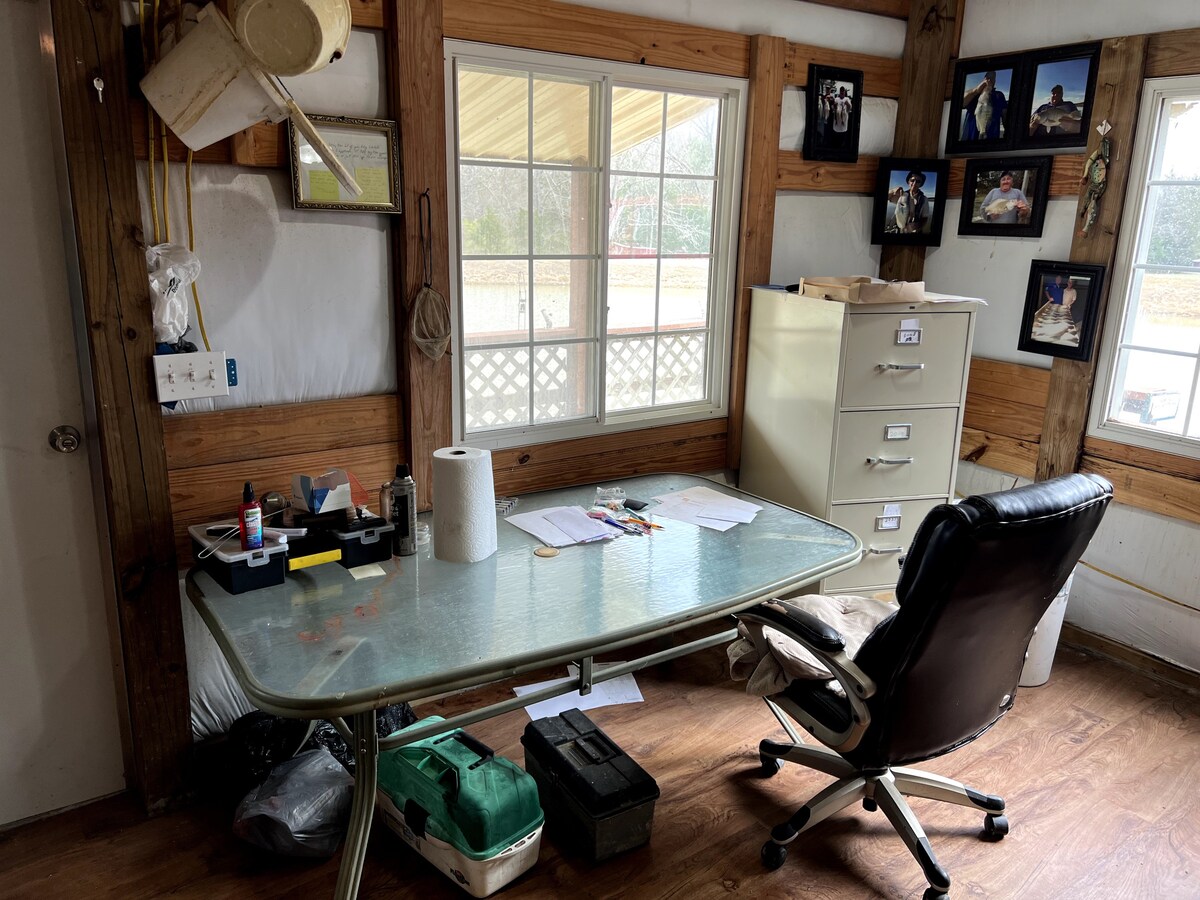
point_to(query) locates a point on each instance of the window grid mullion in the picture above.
(529, 306)
(662, 167)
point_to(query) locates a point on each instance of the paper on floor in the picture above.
(622, 689)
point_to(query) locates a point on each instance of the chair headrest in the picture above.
(1045, 498)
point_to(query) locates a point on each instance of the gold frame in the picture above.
(350, 127)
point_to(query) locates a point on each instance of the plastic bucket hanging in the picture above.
(208, 88)
(293, 37)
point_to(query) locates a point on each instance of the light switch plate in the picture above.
(187, 376)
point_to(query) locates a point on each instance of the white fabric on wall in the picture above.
(876, 132)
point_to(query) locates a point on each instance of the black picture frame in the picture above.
(982, 178)
(822, 139)
(891, 185)
(981, 121)
(1073, 68)
(1053, 323)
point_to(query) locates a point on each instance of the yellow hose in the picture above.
(187, 187)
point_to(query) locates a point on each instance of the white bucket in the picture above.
(206, 89)
(293, 37)
(1040, 655)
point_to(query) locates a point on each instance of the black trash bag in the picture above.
(302, 809)
(388, 720)
(258, 742)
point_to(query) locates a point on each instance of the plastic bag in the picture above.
(172, 270)
(388, 720)
(302, 809)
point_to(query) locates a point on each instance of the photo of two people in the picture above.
(833, 113)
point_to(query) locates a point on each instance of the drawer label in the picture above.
(908, 335)
(897, 432)
(890, 520)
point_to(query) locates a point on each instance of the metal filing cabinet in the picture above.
(853, 413)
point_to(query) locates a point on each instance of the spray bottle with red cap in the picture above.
(250, 520)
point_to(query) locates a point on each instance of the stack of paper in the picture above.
(562, 526)
(706, 507)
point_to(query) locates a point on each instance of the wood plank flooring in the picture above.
(1100, 769)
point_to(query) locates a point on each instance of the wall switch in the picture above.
(186, 376)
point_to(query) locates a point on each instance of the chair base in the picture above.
(885, 788)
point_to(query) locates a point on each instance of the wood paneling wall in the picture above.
(1002, 420)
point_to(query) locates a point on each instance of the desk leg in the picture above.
(366, 768)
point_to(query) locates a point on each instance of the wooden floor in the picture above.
(1100, 768)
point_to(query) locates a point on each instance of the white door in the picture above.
(60, 741)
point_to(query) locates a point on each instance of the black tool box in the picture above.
(597, 800)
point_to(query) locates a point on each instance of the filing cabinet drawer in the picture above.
(880, 566)
(917, 465)
(874, 375)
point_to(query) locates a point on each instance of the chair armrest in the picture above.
(803, 626)
(829, 646)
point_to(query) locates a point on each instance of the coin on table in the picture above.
(546, 552)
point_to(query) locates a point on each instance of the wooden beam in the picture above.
(1118, 93)
(600, 33)
(262, 145)
(893, 9)
(757, 230)
(999, 452)
(1142, 458)
(881, 74)
(1173, 53)
(1167, 495)
(258, 432)
(1008, 381)
(416, 76)
(931, 43)
(176, 149)
(795, 173)
(120, 334)
(368, 13)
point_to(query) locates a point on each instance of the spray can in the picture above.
(404, 513)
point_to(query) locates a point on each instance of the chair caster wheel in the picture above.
(870, 805)
(770, 765)
(995, 827)
(932, 893)
(773, 854)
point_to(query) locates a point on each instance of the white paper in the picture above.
(952, 298)
(891, 509)
(622, 689)
(577, 524)
(540, 524)
(907, 324)
(705, 507)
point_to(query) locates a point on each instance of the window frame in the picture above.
(1156, 93)
(734, 95)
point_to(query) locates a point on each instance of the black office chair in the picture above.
(939, 671)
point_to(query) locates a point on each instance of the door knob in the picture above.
(65, 439)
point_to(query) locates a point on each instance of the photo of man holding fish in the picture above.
(1059, 99)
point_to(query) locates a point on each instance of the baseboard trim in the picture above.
(1137, 659)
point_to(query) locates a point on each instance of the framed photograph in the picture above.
(1057, 105)
(981, 104)
(910, 201)
(1061, 309)
(833, 113)
(369, 148)
(1005, 197)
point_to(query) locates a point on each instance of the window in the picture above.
(1149, 364)
(596, 213)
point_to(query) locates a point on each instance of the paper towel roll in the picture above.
(464, 505)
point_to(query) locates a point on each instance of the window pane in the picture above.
(563, 118)
(683, 298)
(691, 134)
(632, 293)
(563, 384)
(496, 388)
(564, 209)
(633, 216)
(1181, 152)
(1172, 226)
(637, 123)
(679, 375)
(495, 210)
(1164, 311)
(495, 301)
(687, 216)
(493, 115)
(563, 298)
(629, 373)
(1152, 390)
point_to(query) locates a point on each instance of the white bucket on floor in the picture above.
(1040, 655)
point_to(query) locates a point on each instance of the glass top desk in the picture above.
(323, 645)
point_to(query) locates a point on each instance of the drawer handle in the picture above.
(899, 367)
(883, 551)
(885, 461)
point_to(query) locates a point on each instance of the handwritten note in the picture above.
(322, 185)
(374, 182)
